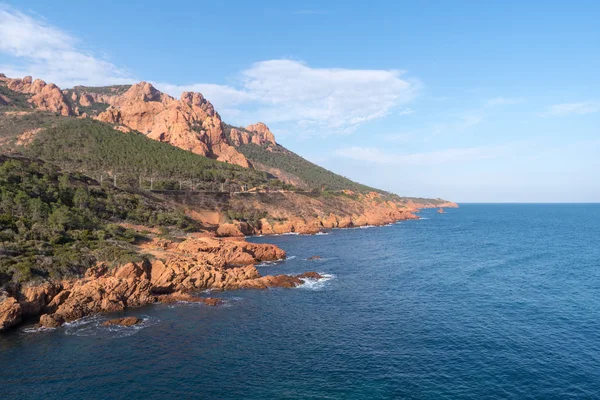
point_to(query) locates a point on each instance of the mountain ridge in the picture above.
(190, 123)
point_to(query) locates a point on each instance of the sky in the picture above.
(472, 101)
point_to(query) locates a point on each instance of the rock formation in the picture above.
(46, 97)
(192, 265)
(262, 134)
(190, 123)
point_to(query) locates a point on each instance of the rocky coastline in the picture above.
(175, 271)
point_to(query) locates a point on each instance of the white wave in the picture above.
(92, 326)
(316, 284)
(322, 233)
(269, 263)
(37, 329)
(423, 218)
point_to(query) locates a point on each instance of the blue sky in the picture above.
(465, 100)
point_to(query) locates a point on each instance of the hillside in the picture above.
(132, 159)
(55, 224)
(234, 180)
(190, 123)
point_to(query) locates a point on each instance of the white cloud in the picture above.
(446, 156)
(584, 107)
(222, 96)
(284, 92)
(290, 91)
(41, 50)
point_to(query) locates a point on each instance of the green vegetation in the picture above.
(94, 109)
(95, 148)
(111, 90)
(17, 100)
(13, 125)
(55, 224)
(313, 175)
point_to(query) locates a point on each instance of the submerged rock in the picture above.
(310, 275)
(127, 321)
(186, 297)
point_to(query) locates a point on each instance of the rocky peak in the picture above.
(198, 100)
(262, 133)
(143, 91)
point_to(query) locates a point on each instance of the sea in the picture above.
(487, 301)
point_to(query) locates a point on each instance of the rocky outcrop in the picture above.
(11, 313)
(262, 134)
(190, 123)
(257, 133)
(192, 265)
(46, 97)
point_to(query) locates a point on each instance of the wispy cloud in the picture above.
(290, 91)
(36, 48)
(581, 108)
(446, 156)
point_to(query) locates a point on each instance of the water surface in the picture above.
(482, 302)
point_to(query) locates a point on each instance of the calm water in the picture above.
(483, 302)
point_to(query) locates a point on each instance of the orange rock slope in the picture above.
(193, 265)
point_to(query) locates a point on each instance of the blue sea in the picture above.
(481, 302)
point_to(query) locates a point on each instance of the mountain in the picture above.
(190, 123)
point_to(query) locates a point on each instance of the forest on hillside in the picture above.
(133, 160)
(55, 224)
(313, 175)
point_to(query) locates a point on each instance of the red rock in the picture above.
(310, 275)
(185, 297)
(262, 134)
(10, 312)
(47, 97)
(126, 321)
